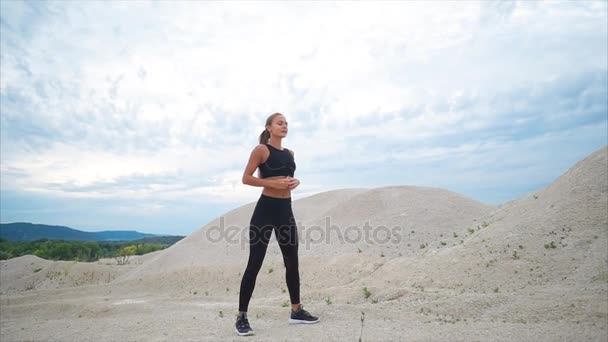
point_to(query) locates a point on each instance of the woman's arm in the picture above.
(293, 182)
(255, 159)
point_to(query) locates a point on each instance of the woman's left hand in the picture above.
(293, 183)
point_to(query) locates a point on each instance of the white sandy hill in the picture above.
(31, 272)
(409, 216)
(547, 252)
(391, 221)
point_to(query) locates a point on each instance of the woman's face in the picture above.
(278, 127)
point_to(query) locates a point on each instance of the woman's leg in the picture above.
(260, 229)
(286, 232)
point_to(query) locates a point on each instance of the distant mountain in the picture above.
(24, 231)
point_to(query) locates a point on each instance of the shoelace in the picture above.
(304, 312)
(243, 322)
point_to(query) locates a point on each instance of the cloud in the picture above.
(155, 102)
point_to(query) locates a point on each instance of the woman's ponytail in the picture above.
(264, 136)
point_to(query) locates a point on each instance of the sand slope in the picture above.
(535, 268)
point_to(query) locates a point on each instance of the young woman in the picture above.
(272, 212)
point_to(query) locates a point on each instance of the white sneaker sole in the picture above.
(243, 334)
(297, 321)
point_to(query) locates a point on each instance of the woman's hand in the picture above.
(287, 183)
(281, 183)
(293, 183)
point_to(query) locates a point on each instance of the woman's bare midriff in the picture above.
(272, 192)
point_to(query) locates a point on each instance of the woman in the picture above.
(272, 212)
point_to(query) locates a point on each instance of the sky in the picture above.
(142, 115)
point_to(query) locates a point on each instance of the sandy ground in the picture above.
(531, 269)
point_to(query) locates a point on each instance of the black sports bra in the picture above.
(278, 163)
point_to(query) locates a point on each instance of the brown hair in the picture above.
(265, 135)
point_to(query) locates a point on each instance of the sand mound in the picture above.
(411, 216)
(400, 220)
(29, 272)
(552, 243)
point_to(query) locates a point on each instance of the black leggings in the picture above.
(271, 213)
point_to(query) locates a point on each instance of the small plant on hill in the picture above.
(123, 255)
(366, 293)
